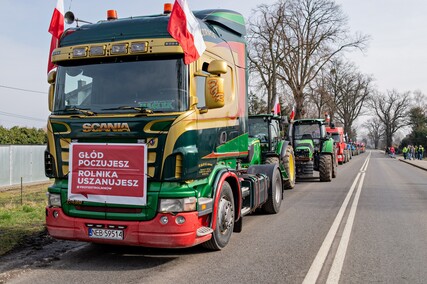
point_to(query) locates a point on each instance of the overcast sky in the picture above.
(396, 56)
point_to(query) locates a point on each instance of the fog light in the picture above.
(164, 220)
(180, 220)
(55, 214)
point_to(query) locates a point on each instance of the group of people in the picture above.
(413, 152)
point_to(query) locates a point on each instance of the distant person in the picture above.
(405, 152)
(420, 152)
(392, 152)
(412, 152)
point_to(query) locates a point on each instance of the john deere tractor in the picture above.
(267, 145)
(314, 149)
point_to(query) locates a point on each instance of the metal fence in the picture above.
(21, 161)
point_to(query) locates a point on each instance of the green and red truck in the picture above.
(146, 150)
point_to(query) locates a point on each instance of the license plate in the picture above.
(105, 234)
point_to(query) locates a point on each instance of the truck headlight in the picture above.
(54, 200)
(178, 205)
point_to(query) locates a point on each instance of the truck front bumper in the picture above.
(152, 233)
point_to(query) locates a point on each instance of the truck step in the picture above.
(245, 210)
(203, 231)
(245, 191)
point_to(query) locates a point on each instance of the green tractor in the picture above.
(314, 149)
(268, 146)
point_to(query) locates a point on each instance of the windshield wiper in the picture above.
(80, 110)
(140, 109)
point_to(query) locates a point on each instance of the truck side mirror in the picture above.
(51, 78)
(217, 67)
(214, 86)
(214, 92)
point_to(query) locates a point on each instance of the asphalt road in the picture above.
(367, 225)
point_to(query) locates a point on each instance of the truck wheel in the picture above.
(272, 206)
(325, 168)
(288, 162)
(224, 220)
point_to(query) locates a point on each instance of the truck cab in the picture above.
(337, 133)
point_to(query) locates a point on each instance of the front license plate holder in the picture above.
(108, 234)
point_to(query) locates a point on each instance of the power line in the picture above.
(22, 116)
(25, 90)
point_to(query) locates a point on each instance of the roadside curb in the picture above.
(413, 164)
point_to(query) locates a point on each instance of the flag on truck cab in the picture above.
(56, 28)
(184, 27)
(276, 109)
(292, 115)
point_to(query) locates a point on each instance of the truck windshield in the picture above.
(336, 137)
(126, 84)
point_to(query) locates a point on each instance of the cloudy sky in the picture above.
(396, 55)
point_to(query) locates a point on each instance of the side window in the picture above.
(275, 131)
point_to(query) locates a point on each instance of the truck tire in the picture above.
(325, 168)
(224, 220)
(288, 162)
(275, 196)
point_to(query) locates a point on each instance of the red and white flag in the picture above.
(276, 109)
(56, 28)
(184, 27)
(292, 115)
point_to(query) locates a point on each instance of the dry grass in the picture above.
(22, 214)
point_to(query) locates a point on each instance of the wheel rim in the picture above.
(291, 168)
(278, 192)
(225, 215)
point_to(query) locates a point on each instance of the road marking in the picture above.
(319, 260)
(335, 272)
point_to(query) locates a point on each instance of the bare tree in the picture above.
(255, 104)
(320, 96)
(341, 91)
(292, 40)
(313, 32)
(352, 97)
(266, 48)
(375, 131)
(391, 109)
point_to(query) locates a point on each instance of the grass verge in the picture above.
(21, 215)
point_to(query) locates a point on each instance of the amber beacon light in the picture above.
(167, 8)
(111, 15)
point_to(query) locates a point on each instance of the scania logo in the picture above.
(106, 127)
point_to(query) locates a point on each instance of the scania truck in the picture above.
(145, 150)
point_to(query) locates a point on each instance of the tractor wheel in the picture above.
(334, 165)
(224, 220)
(325, 168)
(288, 162)
(272, 206)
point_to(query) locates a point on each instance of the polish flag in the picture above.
(184, 27)
(292, 115)
(276, 109)
(56, 28)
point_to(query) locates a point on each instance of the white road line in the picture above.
(335, 272)
(319, 260)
